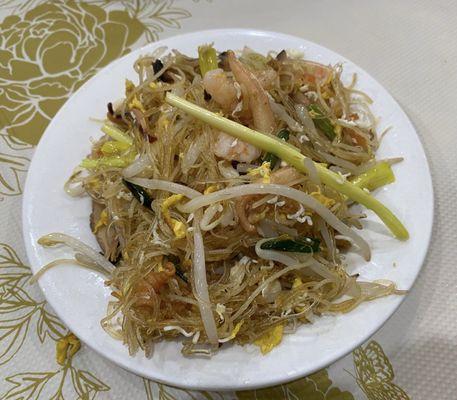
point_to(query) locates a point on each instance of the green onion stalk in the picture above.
(379, 175)
(207, 59)
(292, 156)
(321, 121)
(117, 134)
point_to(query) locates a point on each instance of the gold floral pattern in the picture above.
(14, 143)
(19, 6)
(18, 310)
(13, 272)
(67, 382)
(12, 172)
(162, 392)
(317, 386)
(156, 16)
(51, 51)
(374, 374)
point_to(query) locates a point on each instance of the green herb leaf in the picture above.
(139, 193)
(379, 175)
(270, 157)
(321, 121)
(299, 245)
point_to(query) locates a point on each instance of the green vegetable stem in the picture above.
(292, 156)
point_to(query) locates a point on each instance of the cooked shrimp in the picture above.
(153, 282)
(221, 89)
(224, 92)
(229, 148)
(316, 72)
(307, 73)
(283, 176)
(255, 95)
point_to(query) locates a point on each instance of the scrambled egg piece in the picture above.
(264, 171)
(270, 339)
(103, 220)
(66, 348)
(178, 227)
(211, 189)
(326, 201)
(170, 202)
(129, 87)
(163, 122)
(236, 329)
(135, 103)
(297, 282)
(152, 85)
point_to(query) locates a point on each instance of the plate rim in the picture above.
(296, 374)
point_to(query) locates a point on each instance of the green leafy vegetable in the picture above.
(113, 162)
(116, 134)
(121, 143)
(321, 121)
(139, 193)
(379, 175)
(207, 59)
(270, 157)
(114, 147)
(299, 245)
(292, 156)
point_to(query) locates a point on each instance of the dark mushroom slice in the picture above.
(116, 117)
(157, 65)
(166, 77)
(223, 61)
(139, 193)
(282, 56)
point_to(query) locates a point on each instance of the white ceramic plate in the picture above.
(79, 296)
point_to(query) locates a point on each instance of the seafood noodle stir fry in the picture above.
(222, 193)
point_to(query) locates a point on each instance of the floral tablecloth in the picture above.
(49, 48)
